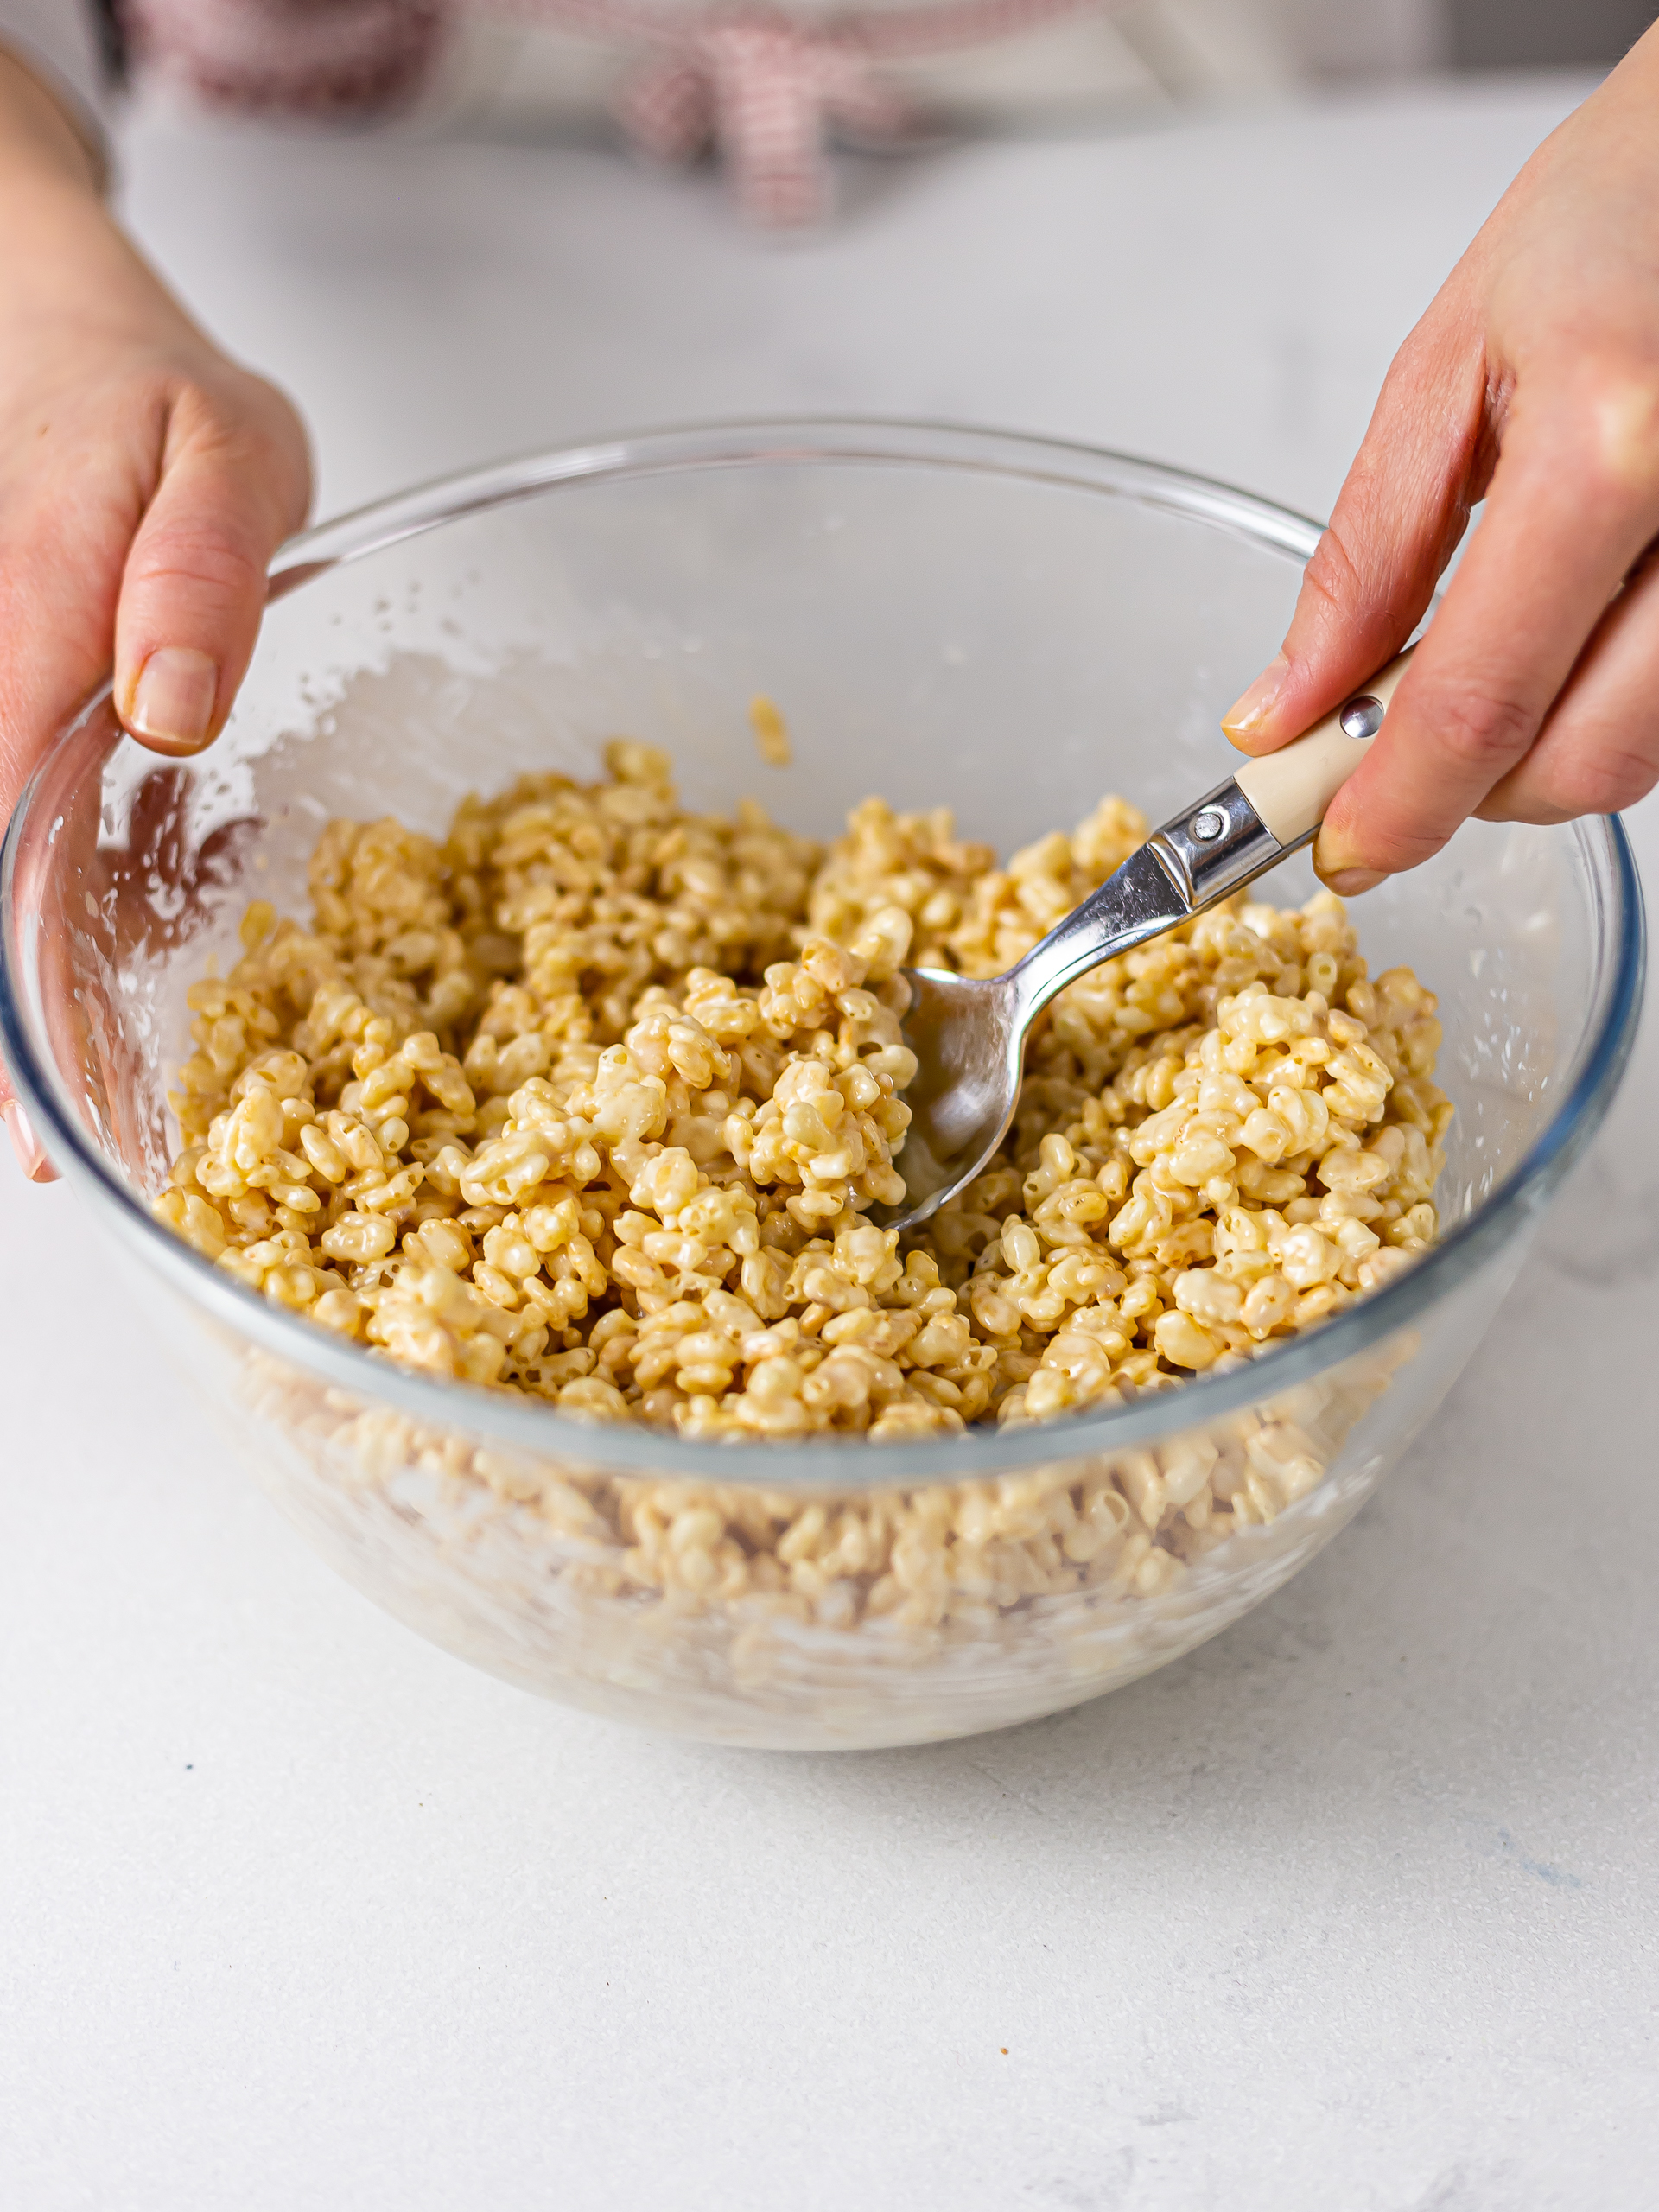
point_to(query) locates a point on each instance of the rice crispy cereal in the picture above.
(771, 1617)
(588, 1101)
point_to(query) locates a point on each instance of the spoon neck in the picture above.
(1194, 860)
(1139, 901)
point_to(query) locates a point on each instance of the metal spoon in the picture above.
(968, 1037)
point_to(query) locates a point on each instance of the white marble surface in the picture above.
(1356, 1908)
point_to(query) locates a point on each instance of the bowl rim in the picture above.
(505, 1418)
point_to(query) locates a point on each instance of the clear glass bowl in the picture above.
(1003, 625)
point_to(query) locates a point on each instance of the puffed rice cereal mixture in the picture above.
(587, 1101)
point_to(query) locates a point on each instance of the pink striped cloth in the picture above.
(764, 88)
(311, 57)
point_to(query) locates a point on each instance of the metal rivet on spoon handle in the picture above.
(969, 1036)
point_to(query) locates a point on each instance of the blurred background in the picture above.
(1403, 38)
(1100, 61)
(1499, 33)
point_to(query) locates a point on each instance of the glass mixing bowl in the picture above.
(1005, 625)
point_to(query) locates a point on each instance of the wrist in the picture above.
(38, 140)
(72, 284)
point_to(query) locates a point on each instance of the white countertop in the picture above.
(1355, 1908)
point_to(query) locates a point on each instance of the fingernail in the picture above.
(1337, 872)
(1247, 713)
(174, 699)
(24, 1142)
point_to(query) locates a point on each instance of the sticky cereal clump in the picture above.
(588, 1101)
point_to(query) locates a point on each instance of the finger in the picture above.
(1598, 751)
(193, 588)
(60, 571)
(56, 962)
(61, 548)
(1573, 502)
(65, 527)
(1400, 514)
(26, 1146)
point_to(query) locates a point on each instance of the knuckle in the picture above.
(1378, 830)
(1333, 573)
(1608, 781)
(267, 437)
(1402, 846)
(246, 427)
(1595, 420)
(1481, 728)
(214, 563)
(1624, 428)
(1522, 804)
(1622, 790)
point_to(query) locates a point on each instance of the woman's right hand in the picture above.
(145, 480)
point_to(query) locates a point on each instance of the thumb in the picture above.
(1403, 507)
(29, 1153)
(234, 483)
(232, 480)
